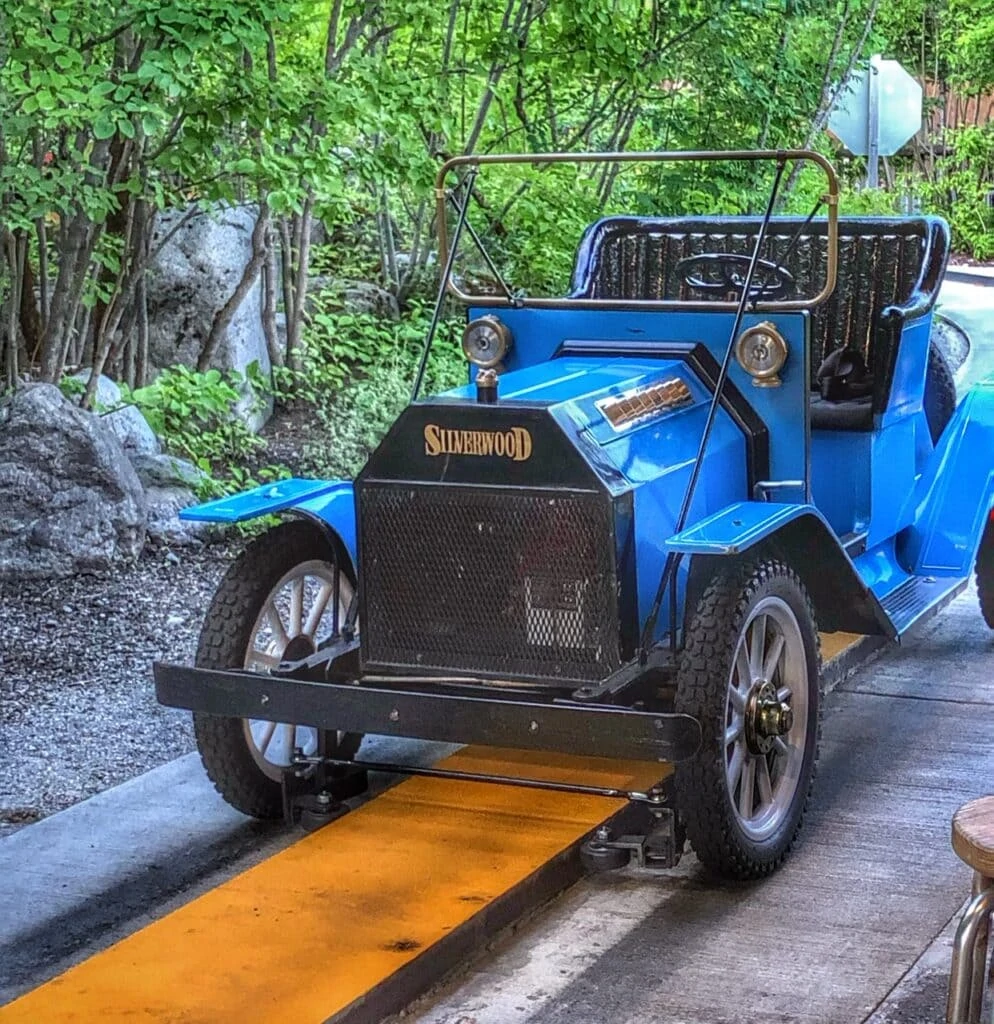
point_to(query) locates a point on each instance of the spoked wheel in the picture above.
(279, 600)
(985, 574)
(750, 674)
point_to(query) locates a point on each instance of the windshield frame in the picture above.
(491, 300)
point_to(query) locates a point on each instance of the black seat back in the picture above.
(889, 270)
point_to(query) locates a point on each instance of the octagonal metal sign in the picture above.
(881, 104)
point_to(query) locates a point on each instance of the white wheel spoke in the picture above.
(773, 657)
(784, 694)
(735, 766)
(264, 658)
(737, 699)
(757, 645)
(748, 785)
(282, 749)
(276, 625)
(734, 731)
(297, 605)
(765, 782)
(266, 738)
(743, 670)
(781, 746)
(317, 610)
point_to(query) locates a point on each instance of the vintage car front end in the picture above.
(498, 591)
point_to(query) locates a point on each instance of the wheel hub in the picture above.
(766, 718)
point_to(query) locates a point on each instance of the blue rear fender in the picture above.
(328, 503)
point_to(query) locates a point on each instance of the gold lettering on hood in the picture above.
(514, 444)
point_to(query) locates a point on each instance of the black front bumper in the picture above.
(593, 730)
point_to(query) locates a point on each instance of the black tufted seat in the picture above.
(889, 272)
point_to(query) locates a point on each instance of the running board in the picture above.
(919, 598)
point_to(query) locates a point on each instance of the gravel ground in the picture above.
(77, 708)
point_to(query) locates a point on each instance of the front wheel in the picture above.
(750, 673)
(280, 599)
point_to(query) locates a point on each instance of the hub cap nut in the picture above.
(766, 718)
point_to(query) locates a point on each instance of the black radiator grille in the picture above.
(495, 583)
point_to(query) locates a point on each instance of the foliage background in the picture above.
(330, 117)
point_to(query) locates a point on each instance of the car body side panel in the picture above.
(335, 509)
(908, 386)
(799, 535)
(952, 500)
(260, 501)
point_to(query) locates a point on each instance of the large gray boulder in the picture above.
(351, 297)
(192, 277)
(70, 500)
(131, 428)
(169, 488)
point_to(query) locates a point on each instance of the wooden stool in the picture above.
(973, 841)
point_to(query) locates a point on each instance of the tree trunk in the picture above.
(223, 317)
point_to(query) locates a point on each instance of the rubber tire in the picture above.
(224, 639)
(985, 574)
(711, 639)
(939, 400)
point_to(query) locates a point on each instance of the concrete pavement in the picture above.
(855, 927)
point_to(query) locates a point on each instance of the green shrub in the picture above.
(962, 188)
(354, 417)
(193, 414)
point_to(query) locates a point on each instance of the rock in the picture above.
(169, 487)
(365, 297)
(108, 393)
(70, 500)
(192, 277)
(132, 429)
(163, 523)
(167, 471)
(351, 297)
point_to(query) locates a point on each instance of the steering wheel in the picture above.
(721, 273)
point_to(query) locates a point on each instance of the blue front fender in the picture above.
(738, 527)
(952, 499)
(806, 542)
(329, 502)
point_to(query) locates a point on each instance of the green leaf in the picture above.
(103, 127)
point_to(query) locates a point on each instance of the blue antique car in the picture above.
(625, 535)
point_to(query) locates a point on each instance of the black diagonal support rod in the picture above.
(654, 796)
(726, 364)
(513, 299)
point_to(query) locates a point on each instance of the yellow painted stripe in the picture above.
(304, 934)
(834, 644)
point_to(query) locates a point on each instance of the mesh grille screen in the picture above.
(515, 585)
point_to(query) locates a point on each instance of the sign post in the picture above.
(876, 111)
